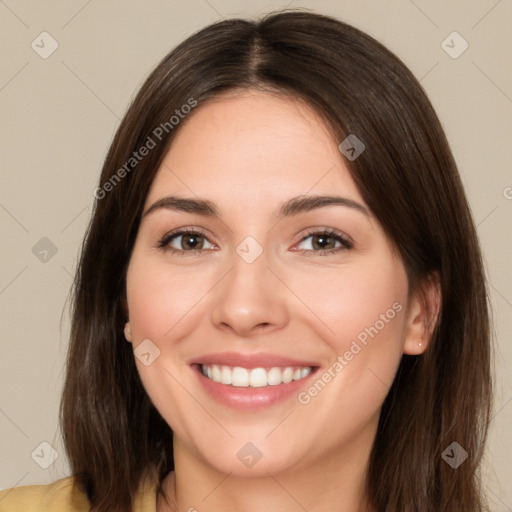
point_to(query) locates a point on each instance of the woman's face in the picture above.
(298, 309)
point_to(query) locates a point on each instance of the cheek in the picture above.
(161, 303)
(348, 300)
(362, 319)
(360, 314)
(158, 299)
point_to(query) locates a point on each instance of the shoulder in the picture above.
(60, 496)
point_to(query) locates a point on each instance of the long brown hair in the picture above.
(115, 437)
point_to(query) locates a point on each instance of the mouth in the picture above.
(240, 377)
(250, 382)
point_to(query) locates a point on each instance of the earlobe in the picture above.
(415, 339)
(423, 314)
(128, 332)
(415, 349)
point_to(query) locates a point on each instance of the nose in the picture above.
(250, 299)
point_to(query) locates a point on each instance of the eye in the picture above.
(185, 240)
(325, 242)
(193, 241)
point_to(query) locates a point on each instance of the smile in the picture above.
(249, 382)
(253, 377)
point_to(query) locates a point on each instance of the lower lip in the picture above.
(248, 398)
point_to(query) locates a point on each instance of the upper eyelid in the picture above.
(334, 232)
(184, 231)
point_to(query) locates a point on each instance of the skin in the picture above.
(248, 152)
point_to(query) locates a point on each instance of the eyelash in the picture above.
(345, 241)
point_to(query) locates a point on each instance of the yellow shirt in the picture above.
(62, 496)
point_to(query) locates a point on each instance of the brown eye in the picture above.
(185, 241)
(324, 242)
(191, 242)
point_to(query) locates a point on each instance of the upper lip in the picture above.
(262, 360)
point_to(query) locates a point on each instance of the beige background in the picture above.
(60, 113)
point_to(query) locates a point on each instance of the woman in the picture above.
(280, 302)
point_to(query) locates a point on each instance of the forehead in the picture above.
(253, 147)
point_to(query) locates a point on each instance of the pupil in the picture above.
(191, 240)
(322, 241)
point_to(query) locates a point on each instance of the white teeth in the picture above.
(304, 372)
(287, 375)
(215, 373)
(240, 377)
(225, 375)
(258, 378)
(274, 376)
(255, 377)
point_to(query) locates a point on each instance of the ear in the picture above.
(423, 312)
(128, 332)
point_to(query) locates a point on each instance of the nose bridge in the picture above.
(248, 297)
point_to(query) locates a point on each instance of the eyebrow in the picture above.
(291, 207)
